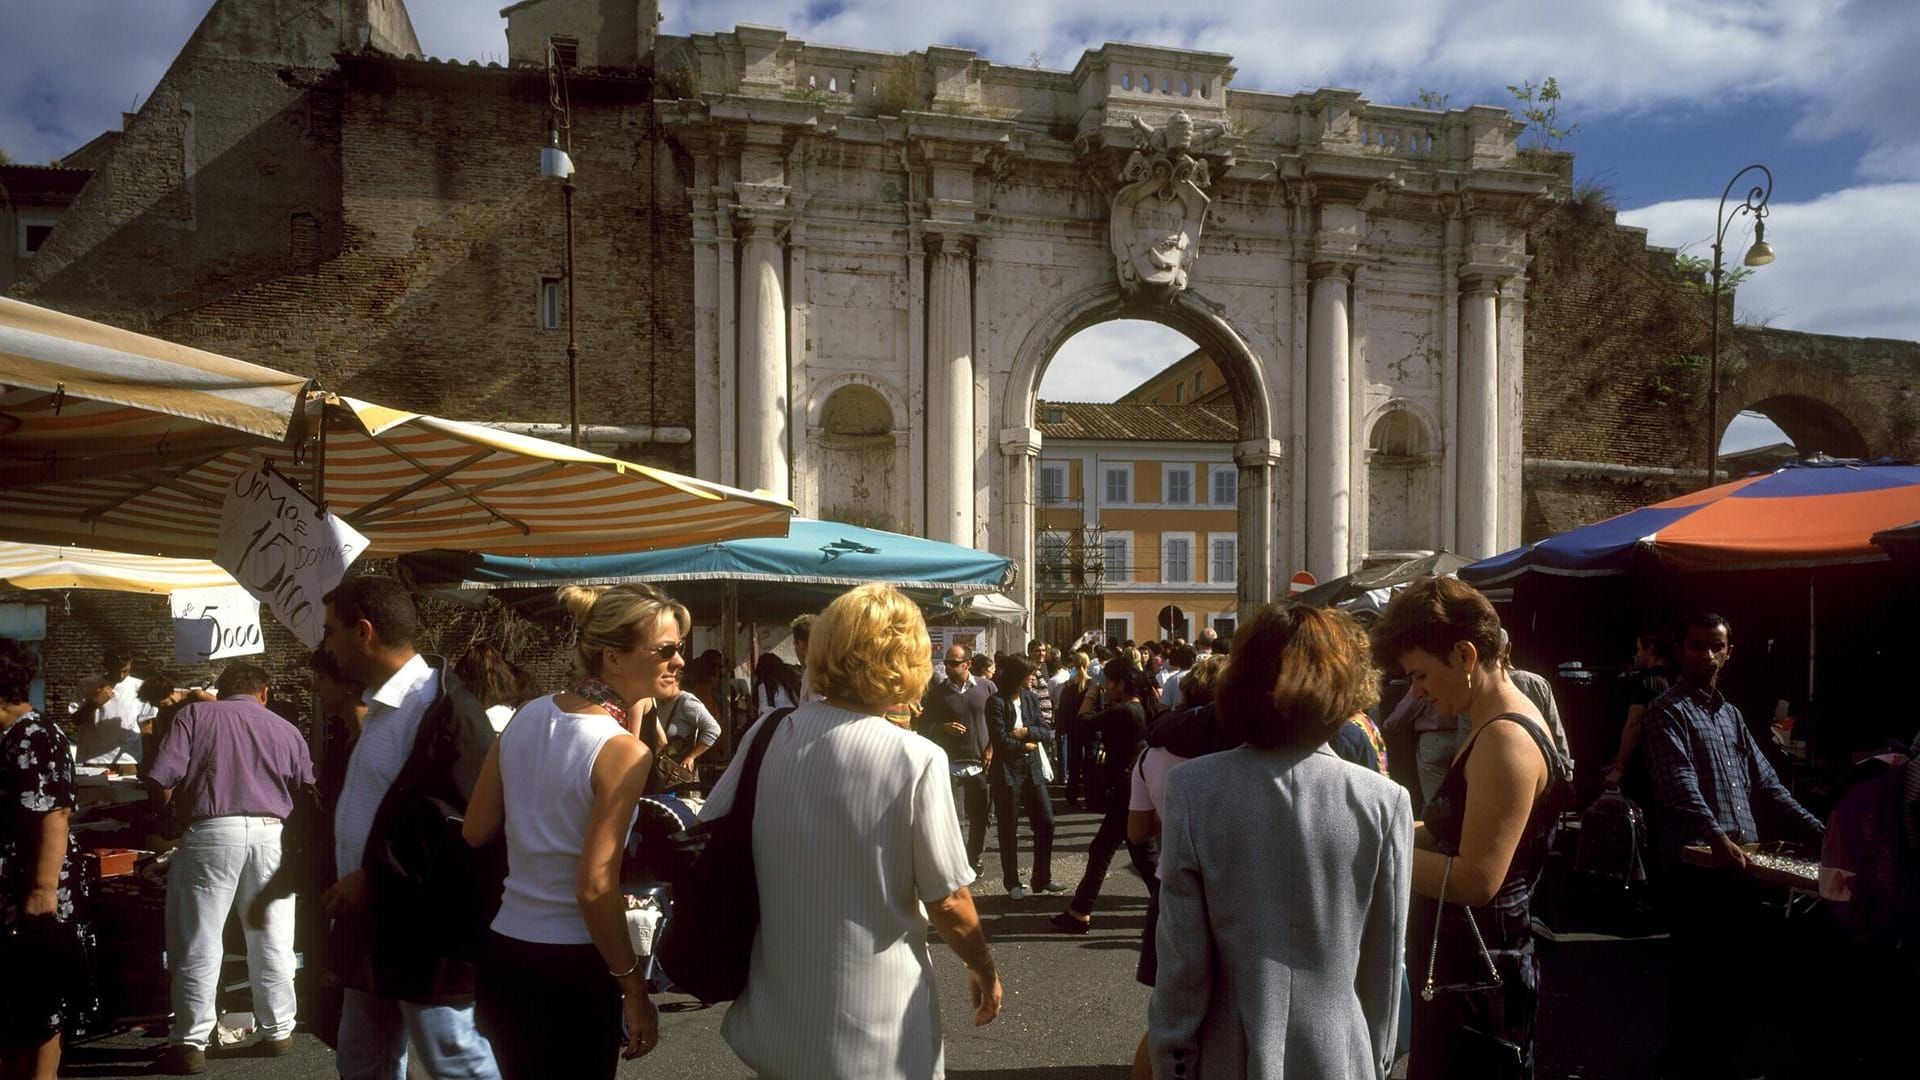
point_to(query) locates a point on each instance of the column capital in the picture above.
(763, 224)
(1259, 453)
(1320, 271)
(1020, 442)
(950, 241)
(1484, 277)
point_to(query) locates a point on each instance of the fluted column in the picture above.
(950, 450)
(1329, 421)
(1256, 577)
(1478, 486)
(764, 390)
(1020, 447)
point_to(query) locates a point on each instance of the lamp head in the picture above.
(555, 164)
(1761, 253)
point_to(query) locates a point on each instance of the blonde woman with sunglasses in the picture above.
(562, 784)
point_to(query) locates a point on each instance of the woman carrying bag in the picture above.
(1483, 843)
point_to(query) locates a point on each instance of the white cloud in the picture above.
(1844, 261)
(1102, 362)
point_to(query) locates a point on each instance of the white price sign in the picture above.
(212, 624)
(283, 549)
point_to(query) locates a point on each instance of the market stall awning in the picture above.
(111, 439)
(802, 571)
(1385, 576)
(38, 566)
(1813, 513)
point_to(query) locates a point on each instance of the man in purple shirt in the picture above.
(229, 768)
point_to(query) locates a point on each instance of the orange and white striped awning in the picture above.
(39, 566)
(111, 439)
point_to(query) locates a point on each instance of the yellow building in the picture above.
(1136, 511)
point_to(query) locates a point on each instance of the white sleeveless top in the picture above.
(546, 769)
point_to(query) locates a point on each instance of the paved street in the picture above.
(1073, 1010)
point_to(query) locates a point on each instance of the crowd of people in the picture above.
(465, 835)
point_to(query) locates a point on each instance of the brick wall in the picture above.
(385, 229)
(1610, 328)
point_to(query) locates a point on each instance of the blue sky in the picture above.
(1672, 98)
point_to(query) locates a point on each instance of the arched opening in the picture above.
(1152, 484)
(1783, 428)
(1402, 508)
(859, 458)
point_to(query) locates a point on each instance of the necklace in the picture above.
(602, 695)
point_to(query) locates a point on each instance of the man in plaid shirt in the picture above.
(1708, 775)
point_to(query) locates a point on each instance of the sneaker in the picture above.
(179, 1059)
(274, 1047)
(1016, 894)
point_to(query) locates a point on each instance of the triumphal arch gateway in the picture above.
(889, 249)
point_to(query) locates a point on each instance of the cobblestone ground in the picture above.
(1073, 1010)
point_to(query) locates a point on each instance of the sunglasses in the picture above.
(667, 650)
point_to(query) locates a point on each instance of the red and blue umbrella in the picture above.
(1804, 514)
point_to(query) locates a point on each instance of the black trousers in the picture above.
(1106, 842)
(1034, 801)
(548, 1010)
(970, 799)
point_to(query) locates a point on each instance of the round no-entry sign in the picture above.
(1301, 582)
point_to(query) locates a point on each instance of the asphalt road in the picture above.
(1073, 1010)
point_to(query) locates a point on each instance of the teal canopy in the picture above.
(771, 577)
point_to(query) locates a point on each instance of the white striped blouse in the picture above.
(855, 828)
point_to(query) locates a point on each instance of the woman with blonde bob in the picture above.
(1283, 872)
(563, 782)
(854, 830)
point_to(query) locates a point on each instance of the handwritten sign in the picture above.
(211, 624)
(283, 549)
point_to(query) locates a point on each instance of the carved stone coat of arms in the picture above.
(1160, 209)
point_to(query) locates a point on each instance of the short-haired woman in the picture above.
(1487, 830)
(43, 888)
(1283, 872)
(563, 783)
(1121, 731)
(854, 830)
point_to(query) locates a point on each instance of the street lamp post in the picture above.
(1760, 254)
(556, 163)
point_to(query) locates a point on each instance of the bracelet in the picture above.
(623, 974)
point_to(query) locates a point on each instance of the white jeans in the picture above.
(218, 861)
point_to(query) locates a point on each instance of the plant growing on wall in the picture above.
(1539, 106)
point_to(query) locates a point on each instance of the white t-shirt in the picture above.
(498, 716)
(1149, 791)
(114, 734)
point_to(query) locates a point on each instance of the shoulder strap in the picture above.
(748, 792)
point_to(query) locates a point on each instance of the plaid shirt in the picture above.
(1708, 773)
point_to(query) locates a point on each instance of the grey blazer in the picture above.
(1284, 883)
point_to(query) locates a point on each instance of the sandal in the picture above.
(1067, 923)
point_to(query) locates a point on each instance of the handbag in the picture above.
(1046, 765)
(668, 773)
(1471, 1051)
(707, 946)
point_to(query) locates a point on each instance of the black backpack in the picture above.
(707, 945)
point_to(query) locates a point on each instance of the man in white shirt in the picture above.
(371, 627)
(1179, 660)
(109, 716)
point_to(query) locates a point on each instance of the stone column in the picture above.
(1478, 487)
(950, 450)
(1259, 462)
(763, 371)
(1021, 449)
(1329, 421)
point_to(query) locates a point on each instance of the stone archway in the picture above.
(1814, 426)
(942, 230)
(1258, 454)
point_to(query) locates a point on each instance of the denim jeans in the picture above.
(375, 1031)
(221, 860)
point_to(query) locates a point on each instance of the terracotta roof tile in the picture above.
(1162, 423)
